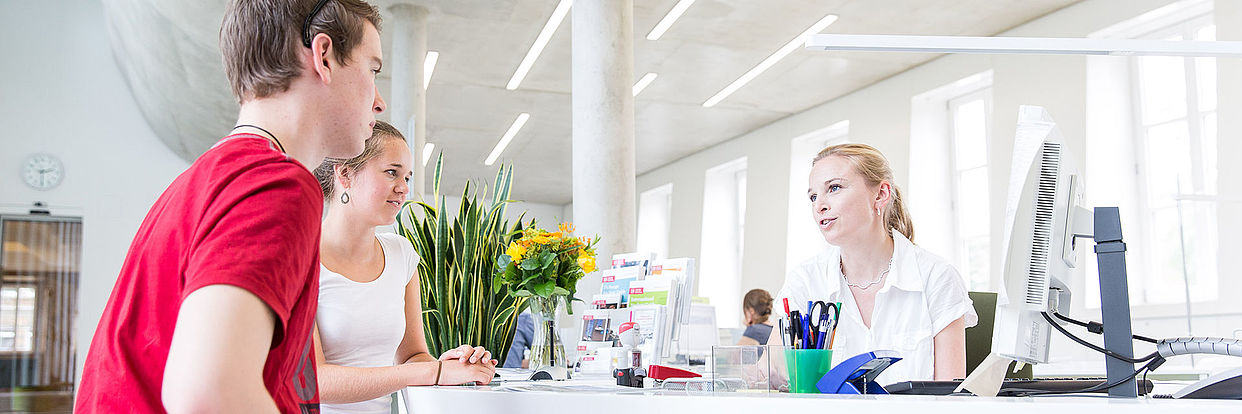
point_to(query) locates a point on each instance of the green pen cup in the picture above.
(806, 367)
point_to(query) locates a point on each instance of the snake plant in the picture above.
(458, 263)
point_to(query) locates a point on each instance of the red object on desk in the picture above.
(660, 372)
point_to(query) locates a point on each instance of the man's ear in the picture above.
(322, 60)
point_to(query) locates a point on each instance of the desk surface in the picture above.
(601, 395)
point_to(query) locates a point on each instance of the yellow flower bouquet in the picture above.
(545, 264)
(545, 267)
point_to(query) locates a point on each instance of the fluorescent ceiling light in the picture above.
(1024, 45)
(427, 152)
(785, 50)
(669, 19)
(642, 83)
(558, 15)
(504, 141)
(429, 66)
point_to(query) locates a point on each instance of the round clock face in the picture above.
(42, 171)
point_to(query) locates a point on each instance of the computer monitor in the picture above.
(1045, 192)
(1046, 226)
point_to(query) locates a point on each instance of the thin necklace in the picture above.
(873, 282)
(282, 147)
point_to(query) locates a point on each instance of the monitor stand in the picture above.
(1110, 253)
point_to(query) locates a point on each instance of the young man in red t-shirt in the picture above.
(214, 307)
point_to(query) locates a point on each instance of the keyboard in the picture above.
(1011, 387)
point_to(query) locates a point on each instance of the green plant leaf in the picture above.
(546, 258)
(543, 288)
(463, 271)
(530, 264)
(502, 262)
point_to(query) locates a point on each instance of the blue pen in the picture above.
(810, 308)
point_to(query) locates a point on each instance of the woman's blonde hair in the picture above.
(874, 168)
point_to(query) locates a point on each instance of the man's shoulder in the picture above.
(242, 158)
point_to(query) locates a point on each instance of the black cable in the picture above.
(1098, 328)
(1096, 347)
(1145, 378)
(1152, 365)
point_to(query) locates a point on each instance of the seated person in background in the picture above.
(757, 306)
(369, 339)
(523, 336)
(895, 295)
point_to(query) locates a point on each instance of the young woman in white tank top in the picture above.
(369, 339)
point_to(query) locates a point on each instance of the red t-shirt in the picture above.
(244, 214)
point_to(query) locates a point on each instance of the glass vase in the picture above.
(546, 350)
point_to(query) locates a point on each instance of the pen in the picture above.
(825, 324)
(832, 336)
(786, 307)
(781, 323)
(795, 325)
(806, 328)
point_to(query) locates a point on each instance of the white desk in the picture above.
(604, 396)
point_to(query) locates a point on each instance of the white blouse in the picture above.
(921, 295)
(362, 324)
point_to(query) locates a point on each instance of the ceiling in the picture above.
(167, 51)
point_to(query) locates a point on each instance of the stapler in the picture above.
(857, 374)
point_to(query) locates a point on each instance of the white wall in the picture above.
(61, 93)
(880, 115)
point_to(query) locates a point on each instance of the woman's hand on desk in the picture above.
(469, 354)
(457, 371)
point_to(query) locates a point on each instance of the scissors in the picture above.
(829, 314)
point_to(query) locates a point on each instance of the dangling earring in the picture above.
(344, 197)
(877, 212)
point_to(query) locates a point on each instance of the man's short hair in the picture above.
(261, 39)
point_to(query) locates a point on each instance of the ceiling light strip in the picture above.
(669, 19)
(429, 66)
(1024, 45)
(642, 83)
(785, 50)
(554, 21)
(504, 141)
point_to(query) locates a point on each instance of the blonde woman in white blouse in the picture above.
(895, 295)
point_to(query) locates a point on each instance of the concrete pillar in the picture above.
(603, 129)
(408, 99)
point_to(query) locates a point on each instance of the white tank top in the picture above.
(361, 324)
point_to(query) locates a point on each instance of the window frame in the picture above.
(833, 134)
(983, 92)
(1194, 117)
(35, 316)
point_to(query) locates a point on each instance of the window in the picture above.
(40, 258)
(1175, 124)
(949, 188)
(17, 318)
(969, 117)
(654, 208)
(803, 239)
(724, 217)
